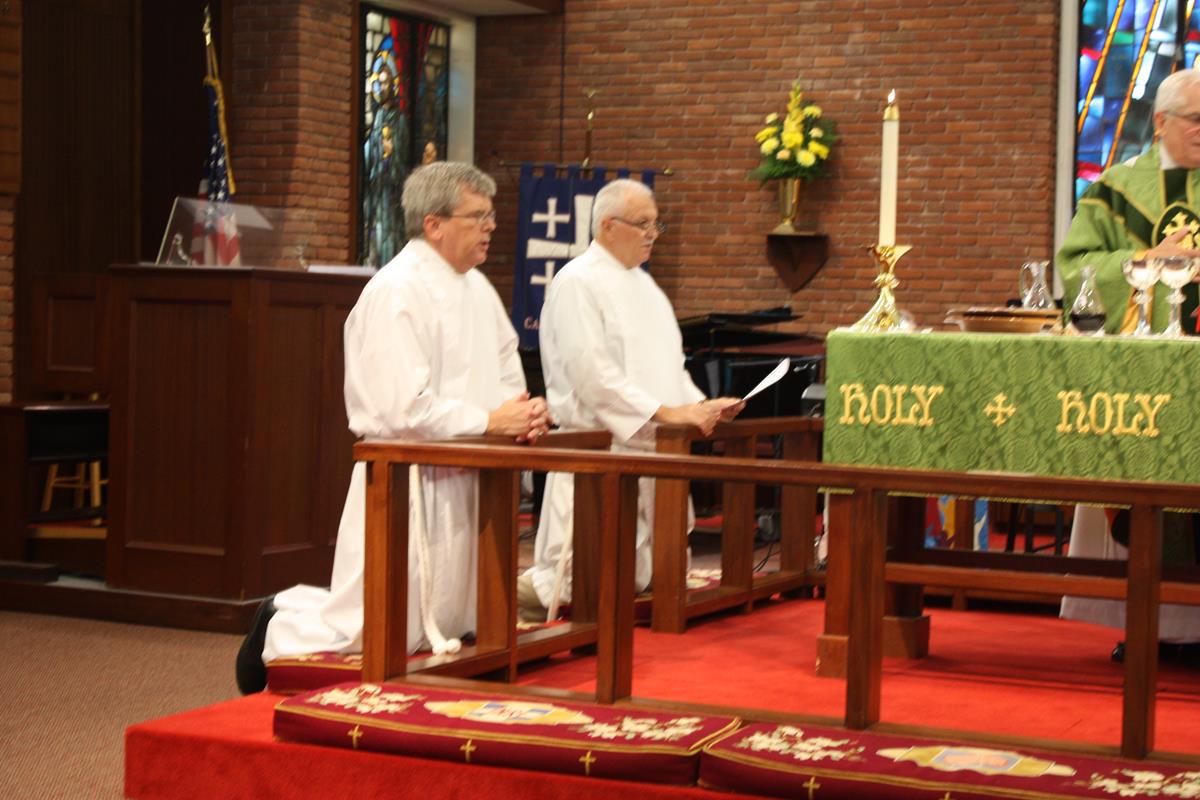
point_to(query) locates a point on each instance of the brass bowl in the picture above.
(1000, 319)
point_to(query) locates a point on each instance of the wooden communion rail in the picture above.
(606, 502)
(673, 604)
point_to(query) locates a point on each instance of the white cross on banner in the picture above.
(554, 226)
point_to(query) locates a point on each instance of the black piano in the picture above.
(727, 354)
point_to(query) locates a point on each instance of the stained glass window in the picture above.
(406, 91)
(1126, 48)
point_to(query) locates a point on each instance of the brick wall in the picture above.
(685, 84)
(291, 128)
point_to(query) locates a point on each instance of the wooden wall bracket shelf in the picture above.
(797, 256)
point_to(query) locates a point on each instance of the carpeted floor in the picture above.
(70, 687)
(1028, 675)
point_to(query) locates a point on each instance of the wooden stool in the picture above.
(60, 435)
(86, 476)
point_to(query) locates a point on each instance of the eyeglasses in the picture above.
(646, 227)
(480, 218)
(1193, 119)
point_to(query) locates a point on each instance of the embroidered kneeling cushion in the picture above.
(527, 733)
(305, 673)
(832, 764)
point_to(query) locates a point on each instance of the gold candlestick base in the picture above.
(883, 316)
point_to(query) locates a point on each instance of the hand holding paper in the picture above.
(773, 378)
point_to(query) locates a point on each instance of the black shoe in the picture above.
(1118, 653)
(251, 672)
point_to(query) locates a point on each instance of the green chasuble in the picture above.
(1130, 207)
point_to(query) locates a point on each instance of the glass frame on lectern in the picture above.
(203, 233)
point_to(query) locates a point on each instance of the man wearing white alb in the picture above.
(429, 354)
(612, 356)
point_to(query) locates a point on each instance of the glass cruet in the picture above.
(1087, 314)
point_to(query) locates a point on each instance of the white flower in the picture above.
(815, 133)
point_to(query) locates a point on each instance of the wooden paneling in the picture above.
(140, 608)
(10, 97)
(76, 208)
(292, 340)
(69, 334)
(180, 424)
(302, 415)
(16, 498)
(77, 216)
(230, 453)
(172, 111)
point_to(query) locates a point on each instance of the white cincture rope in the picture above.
(564, 558)
(440, 644)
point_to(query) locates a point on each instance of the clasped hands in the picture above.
(522, 417)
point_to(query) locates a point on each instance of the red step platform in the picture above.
(228, 751)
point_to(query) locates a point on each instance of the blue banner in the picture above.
(553, 226)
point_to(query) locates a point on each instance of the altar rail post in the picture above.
(673, 604)
(497, 643)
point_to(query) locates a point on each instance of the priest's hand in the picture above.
(521, 417)
(1174, 245)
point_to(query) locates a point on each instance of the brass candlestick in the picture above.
(883, 316)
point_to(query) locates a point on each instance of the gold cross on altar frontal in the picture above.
(587, 759)
(467, 749)
(355, 734)
(812, 787)
(999, 409)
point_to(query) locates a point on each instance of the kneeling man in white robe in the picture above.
(612, 356)
(429, 354)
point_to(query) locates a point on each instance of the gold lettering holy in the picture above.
(899, 404)
(1110, 413)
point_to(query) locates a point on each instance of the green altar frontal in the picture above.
(1106, 407)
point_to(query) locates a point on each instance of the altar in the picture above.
(1063, 407)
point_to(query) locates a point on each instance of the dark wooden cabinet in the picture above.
(229, 450)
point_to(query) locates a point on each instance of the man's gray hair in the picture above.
(1170, 92)
(437, 189)
(611, 200)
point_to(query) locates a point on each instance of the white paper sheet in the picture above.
(773, 378)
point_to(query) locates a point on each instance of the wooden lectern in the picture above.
(229, 450)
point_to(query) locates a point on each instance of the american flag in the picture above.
(214, 231)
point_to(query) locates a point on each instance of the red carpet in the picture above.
(1031, 676)
(1034, 676)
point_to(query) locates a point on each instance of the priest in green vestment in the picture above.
(1144, 208)
(1148, 207)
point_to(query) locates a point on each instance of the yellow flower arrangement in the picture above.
(795, 145)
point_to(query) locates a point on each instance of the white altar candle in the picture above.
(888, 171)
